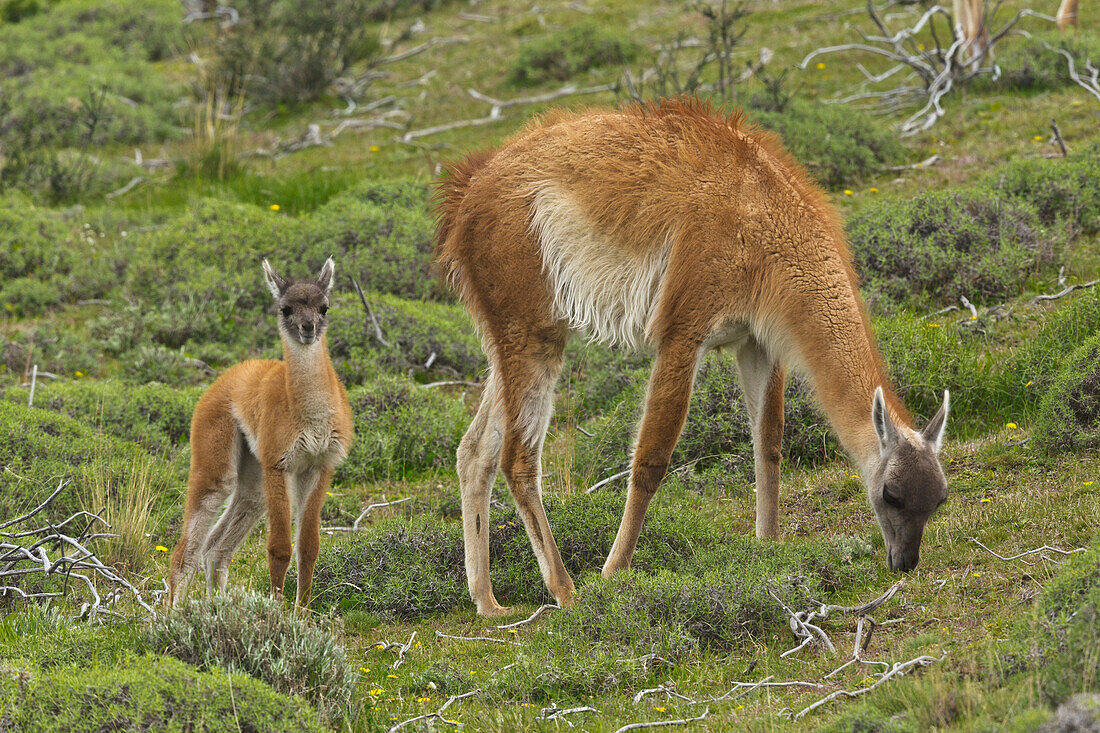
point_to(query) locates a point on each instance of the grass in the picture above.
(146, 282)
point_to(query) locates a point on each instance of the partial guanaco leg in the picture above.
(309, 537)
(278, 527)
(666, 409)
(527, 380)
(478, 463)
(763, 380)
(245, 509)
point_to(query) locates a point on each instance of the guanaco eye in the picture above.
(287, 310)
(890, 499)
(324, 310)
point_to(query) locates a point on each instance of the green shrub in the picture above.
(401, 430)
(154, 416)
(47, 637)
(13, 11)
(254, 634)
(939, 245)
(1028, 63)
(1069, 415)
(1062, 191)
(1042, 355)
(290, 52)
(29, 297)
(566, 53)
(838, 145)
(147, 693)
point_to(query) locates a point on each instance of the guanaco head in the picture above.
(303, 304)
(908, 484)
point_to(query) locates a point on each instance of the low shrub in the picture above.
(1041, 356)
(401, 430)
(147, 693)
(1069, 414)
(254, 634)
(1031, 64)
(930, 249)
(46, 637)
(566, 53)
(1062, 191)
(838, 145)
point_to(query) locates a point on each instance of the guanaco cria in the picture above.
(267, 433)
(672, 226)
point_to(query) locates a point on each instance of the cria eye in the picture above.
(287, 310)
(324, 310)
(890, 499)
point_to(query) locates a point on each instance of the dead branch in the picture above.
(451, 383)
(34, 381)
(1091, 84)
(568, 90)
(1064, 292)
(555, 713)
(1058, 137)
(127, 188)
(663, 723)
(411, 135)
(398, 647)
(531, 619)
(363, 515)
(606, 481)
(438, 714)
(898, 670)
(430, 43)
(370, 313)
(738, 689)
(916, 166)
(441, 635)
(866, 608)
(1020, 556)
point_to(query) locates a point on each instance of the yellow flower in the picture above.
(985, 500)
(379, 645)
(79, 374)
(374, 148)
(364, 670)
(659, 710)
(1038, 138)
(527, 705)
(973, 318)
(933, 325)
(854, 475)
(376, 692)
(1028, 383)
(821, 64)
(473, 671)
(872, 189)
(391, 676)
(977, 575)
(162, 548)
(847, 192)
(274, 207)
(920, 46)
(739, 707)
(1088, 483)
(328, 493)
(1010, 425)
(513, 631)
(423, 699)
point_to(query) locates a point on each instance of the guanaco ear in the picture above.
(934, 430)
(884, 424)
(275, 283)
(328, 273)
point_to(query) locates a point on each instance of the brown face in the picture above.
(908, 485)
(303, 304)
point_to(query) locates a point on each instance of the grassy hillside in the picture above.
(148, 164)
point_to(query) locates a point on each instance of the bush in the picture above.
(1030, 65)
(1042, 355)
(254, 634)
(569, 52)
(290, 52)
(839, 146)
(1062, 191)
(147, 693)
(401, 430)
(1069, 415)
(939, 245)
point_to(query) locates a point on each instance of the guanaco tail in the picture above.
(267, 434)
(670, 226)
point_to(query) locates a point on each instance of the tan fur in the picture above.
(265, 434)
(668, 225)
(1067, 14)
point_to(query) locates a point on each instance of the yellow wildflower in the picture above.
(1088, 483)
(274, 207)
(391, 676)
(423, 699)
(847, 192)
(374, 148)
(162, 548)
(328, 493)
(659, 710)
(79, 374)
(1010, 425)
(872, 189)
(1028, 383)
(376, 692)
(1038, 138)
(821, 64)
(364, 670)
(986, 500)
(933, 325)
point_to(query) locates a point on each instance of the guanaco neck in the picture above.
(308, 377)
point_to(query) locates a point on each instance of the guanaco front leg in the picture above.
(279, 530)
(309, 537)
(763, 380)
(478, 463)
(665, 411)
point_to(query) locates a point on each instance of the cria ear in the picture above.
(884, 424)
(275, 283)
(325, 279)
(934, 430)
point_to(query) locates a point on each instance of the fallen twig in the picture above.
(531, 619)
(568, 90)
(430, 43)
(370, 313)
(451, 383)
(555, 713)
(899, 669)
(1064, 292)
(1058, 137)
(663, 723)
(363, 515)
(606, 481)
(127, 188)
(441, 635)
(1020, 556)
(438, 714)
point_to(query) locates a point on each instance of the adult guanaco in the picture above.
(673, 226)
(267, 433)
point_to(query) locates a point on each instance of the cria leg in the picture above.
(245, 509)
(478, 463)
(278, 528)
(309, 537)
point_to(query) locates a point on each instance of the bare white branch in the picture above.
(531, 619)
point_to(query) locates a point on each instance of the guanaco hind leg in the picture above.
(478, 463)
(527, 383)
(246, 507)
(763, 380)
(665, 411)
